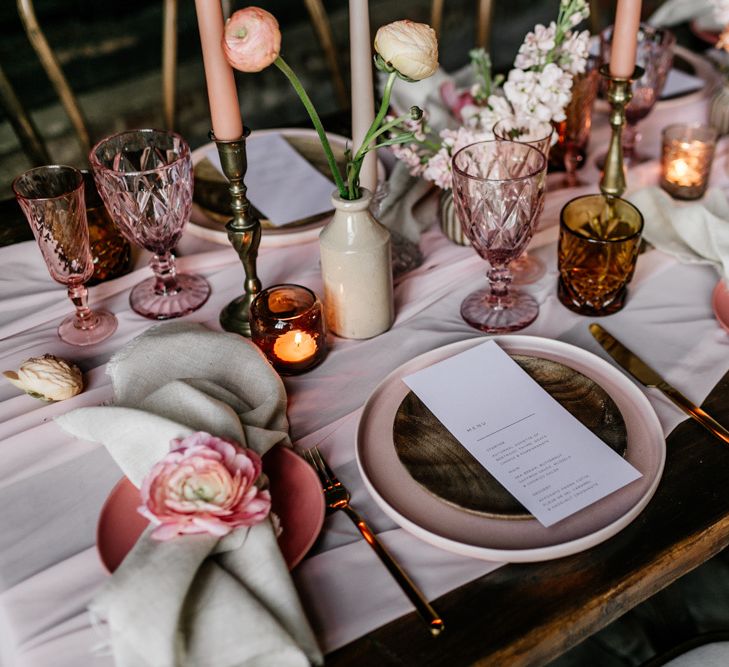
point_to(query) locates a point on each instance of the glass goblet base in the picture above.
(527, 269)
(99, 326)
(482, 311)
(191, 293)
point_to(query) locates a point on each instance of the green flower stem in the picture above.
(393, 123)
(353, 175)
(401, 139)
(384, 106)
(356, 161)
(431, 145)
(306, 101)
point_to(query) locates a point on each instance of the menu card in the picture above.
(680, 83)
(541, 454)
(282, 184)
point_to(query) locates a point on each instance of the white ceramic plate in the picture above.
(467, 534)
(202, 226)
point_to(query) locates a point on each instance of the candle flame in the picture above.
(297, 339)
(681, 167)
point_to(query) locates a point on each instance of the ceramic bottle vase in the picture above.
(357, 270)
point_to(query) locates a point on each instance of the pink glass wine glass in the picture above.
(498, 189)
(573, 133)
(52, 199)
(526, 268)
(655, 56)
(145, 180)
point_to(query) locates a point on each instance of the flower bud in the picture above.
(252, 39)
(410, 48)
(47, 378)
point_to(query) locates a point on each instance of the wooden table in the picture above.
(531, 614)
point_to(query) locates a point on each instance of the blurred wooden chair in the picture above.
(29, 137)
(484, 17)
(48, 60)
(323, 29)
(22, 123)
(485, 12)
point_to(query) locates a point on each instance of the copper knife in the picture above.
(647, 376)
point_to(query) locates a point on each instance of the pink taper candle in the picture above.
(363, 91)
(625, 38)
(222, 93)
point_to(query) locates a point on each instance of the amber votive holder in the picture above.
(287, 324)
(687, 154)
(599, 241)
(111, 252)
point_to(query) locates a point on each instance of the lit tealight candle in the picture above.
(688, 151)
(682, 173)
(287, 324)
(295, 346)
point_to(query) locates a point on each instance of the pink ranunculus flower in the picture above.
(204, 485)
(252, 39)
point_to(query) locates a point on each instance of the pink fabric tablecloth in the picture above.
(52, 486)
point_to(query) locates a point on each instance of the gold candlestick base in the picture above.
(244, 233)
(612, 183)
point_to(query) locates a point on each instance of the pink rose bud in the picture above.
(204, 485)
(252, 39)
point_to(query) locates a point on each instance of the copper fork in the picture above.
(336, 497)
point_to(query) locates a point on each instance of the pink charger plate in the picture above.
(720, 304)
(296, 497)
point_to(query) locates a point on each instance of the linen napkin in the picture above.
(196, 600)
(673, 12)
(398, 209)
(694, 233)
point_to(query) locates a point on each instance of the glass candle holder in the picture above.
(688, 151)
(287, 324)
(599, 240)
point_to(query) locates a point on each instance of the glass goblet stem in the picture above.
(571, 162)
(629, 140)
(79, 295)
(165, 273)
(499, 281)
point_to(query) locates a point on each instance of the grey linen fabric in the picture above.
(196, 600)
(405, 192)
(693, 232)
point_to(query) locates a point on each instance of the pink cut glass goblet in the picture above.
(526, 268)
(498, 189)
(145, 180)
(52, 199)
(655, 56)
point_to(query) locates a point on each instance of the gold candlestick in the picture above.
(244, 233)
(619, 94)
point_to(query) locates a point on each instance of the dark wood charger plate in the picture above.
(440, 464)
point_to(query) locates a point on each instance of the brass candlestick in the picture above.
(244, 233)
(619, 94)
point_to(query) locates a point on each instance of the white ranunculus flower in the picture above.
(48, 378)
(411, 48)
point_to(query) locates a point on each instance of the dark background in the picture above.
(111, 55)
